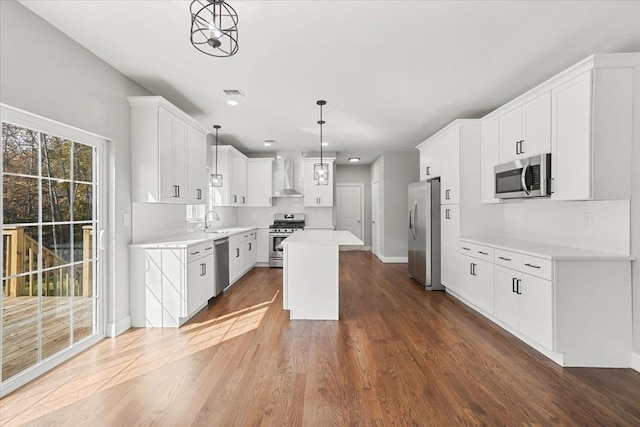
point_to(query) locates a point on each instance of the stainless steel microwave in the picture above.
(524, 178)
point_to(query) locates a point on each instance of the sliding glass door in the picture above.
(51, 218)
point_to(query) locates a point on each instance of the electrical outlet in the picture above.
(588, 219)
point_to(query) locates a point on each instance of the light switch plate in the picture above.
(125, 218)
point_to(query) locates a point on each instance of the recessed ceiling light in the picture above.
(232, 102)
(325, 143)
(354, 159)
(269, 142)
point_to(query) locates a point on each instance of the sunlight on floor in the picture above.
(190, 339)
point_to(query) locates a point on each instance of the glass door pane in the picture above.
(49, 214)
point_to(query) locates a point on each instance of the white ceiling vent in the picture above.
(233, 92)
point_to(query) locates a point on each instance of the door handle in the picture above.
(523, 179)
(518, 287)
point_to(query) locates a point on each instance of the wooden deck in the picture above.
(20, 329)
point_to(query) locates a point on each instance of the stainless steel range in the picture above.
(284, 225)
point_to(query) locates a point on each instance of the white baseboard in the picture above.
(635, 361)
(115, 329)
(394, 259)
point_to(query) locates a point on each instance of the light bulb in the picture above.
(321, 172)
(215, 31)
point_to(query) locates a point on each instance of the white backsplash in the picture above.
(595, 225)
(315, 217)
(152, 221)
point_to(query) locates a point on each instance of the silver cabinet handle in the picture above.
(235, 199)
(209, 248)
(518, 287)
(513, 285)
(237, 252)
(466, 249)
(483, 253)
(532, 266)
(243, 200)
(198, 194)
(203, 269)
(428, 172)
(195, 253)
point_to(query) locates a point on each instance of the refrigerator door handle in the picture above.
(413, 219)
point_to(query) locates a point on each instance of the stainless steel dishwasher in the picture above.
(222, 265)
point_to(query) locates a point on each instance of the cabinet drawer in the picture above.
(477, 251)
(199, 250)
(508, 259)
(535, 266)
(236, 239)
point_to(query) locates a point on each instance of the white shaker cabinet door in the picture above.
(571, 139)
(536, 319)
(490, 157)
(536, 136)
(507, 300)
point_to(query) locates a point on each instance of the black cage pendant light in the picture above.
(214, 27)
(215, 178)
(321, 170)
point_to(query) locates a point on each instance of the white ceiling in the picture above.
(392, 72)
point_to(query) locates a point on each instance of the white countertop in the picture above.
(322, 237)
(544, 250)
(189, 238)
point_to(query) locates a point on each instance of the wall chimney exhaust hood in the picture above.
(287, 190)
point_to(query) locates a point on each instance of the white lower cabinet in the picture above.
(570, 305)
(242, 254)
(262, 246)
(476, 276)
(525, 303)
(170, 285)
(450, 236)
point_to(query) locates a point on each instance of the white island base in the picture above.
(311, 273)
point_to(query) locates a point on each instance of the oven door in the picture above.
(276, 249)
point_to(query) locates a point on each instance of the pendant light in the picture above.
(216, 179)
(214, 27)
(321, 170)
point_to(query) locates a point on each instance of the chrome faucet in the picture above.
(216, 217)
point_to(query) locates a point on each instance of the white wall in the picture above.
(377, 175)
(597, 225)
(260, 217)
(44, 72)
(394, 170)
(359, 174)
(635, 218)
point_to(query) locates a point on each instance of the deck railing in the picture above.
(21, 256)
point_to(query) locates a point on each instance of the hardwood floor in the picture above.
(398, 356)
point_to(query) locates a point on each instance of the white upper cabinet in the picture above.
(591, 136)
(167, 148)
(259, 182)
(526, 130)
(196, 166)
(238, 179)
(583, 117)
(430, 159)
(232, 165)
(489, 158)
(317, 195)
(450, 167)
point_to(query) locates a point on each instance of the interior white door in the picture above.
(375, 218)
(349, 209)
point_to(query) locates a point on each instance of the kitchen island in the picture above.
(311, 273)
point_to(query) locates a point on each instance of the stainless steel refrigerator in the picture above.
(424, 233)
